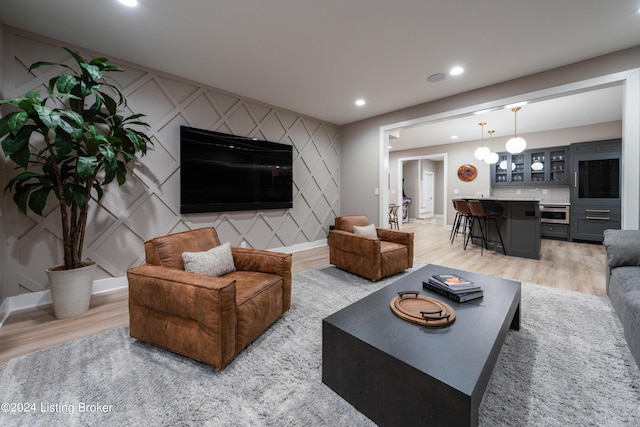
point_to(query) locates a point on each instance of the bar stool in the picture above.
(478, 211)
(464, 218)
(454, 229)
(393, 217)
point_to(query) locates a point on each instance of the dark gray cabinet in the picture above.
(554, 231)
(596, 186)
(519, 227)
(543, 166)
(523, 229)
(509, 170)
(548, 166)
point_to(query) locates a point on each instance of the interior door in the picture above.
(426, 195)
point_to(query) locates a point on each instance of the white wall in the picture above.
(148, 205)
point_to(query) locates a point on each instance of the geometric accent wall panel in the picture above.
(148, 205)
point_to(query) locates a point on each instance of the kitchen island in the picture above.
(519, 226)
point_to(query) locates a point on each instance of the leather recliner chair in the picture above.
(389, 253)
(206, 318)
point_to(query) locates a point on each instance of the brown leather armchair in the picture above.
(370, 257)
(206, 318)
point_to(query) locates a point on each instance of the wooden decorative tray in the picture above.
(426, 311)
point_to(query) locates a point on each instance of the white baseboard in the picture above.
(37, 299)
(301, 246)
(5, 310)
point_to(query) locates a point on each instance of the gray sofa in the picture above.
(623, 282)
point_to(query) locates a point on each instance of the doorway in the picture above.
(426, 195)
(422, 179)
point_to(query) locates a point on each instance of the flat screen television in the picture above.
(221, 172)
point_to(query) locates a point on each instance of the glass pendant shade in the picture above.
(516, 145)
(482, 152)
(491, 159)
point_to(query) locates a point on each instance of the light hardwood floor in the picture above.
(575, 266)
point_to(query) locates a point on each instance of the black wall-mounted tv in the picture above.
(222, 172)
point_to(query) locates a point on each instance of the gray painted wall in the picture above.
(360, 140)
(148, 205)
(359, 171)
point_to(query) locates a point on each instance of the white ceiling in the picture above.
(596, 106)
(315, 57)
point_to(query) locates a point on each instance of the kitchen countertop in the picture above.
(507, 199)
(556, 203)
(520, 199)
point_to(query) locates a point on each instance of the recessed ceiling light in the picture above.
(360, 102)
(130, 3)
(454, 136)
(456, 71)
(437, 77)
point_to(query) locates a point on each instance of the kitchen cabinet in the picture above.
(554, 231)
(543, 166)
(548, 166)
(509, 170)
(596, 186)
(519, 227)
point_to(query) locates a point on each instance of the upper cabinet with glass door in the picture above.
(559, 165)
(538, 168)
(544, 166)
(548, 166)
(509, 170)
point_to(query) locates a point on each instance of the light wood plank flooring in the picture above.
(575, 266)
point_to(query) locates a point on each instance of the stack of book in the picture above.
(453, 287)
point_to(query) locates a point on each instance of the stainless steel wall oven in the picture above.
(555, 214)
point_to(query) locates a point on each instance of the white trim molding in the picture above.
(37, 299)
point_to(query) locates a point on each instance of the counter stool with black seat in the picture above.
(464, 218)
(478, 211)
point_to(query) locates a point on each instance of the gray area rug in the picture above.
(568, 365)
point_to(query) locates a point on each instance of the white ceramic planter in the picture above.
(71, 290)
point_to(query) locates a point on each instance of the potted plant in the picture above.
(70, 143)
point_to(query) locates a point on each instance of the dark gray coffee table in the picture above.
(398, 373)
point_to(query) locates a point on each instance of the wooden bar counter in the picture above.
(519, 225)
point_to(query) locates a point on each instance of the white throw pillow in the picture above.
(214, 262)
(367, 230)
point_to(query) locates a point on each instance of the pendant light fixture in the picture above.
(482, 151)
(516, 144)
(492, 157)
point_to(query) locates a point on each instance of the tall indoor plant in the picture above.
(70, 143)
